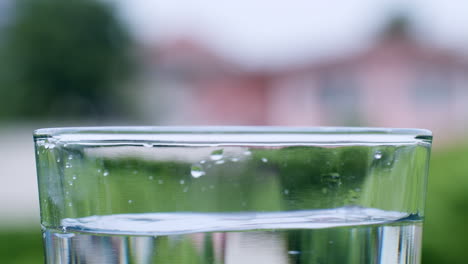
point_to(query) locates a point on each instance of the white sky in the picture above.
(278, 30)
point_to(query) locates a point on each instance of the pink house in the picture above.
(397, 82)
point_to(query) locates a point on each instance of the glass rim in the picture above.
(235, 134)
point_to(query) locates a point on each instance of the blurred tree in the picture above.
(63, 59)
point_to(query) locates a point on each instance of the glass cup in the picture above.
(232, 194)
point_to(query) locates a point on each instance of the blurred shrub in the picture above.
(62, 59)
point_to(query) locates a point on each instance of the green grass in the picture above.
(445, 233)
(19, 246)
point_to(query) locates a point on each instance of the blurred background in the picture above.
(389, 63)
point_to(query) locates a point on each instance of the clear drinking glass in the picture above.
(177, 195)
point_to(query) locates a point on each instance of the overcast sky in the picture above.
(269, 30)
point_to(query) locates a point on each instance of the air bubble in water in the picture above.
(203, 162)
(150, 178)
(160, 181)
(74, 177)
(197, 171)
(58, 160)
(130, 201)
(182, 182)
(70, 157)
(378, 155)
(185, 189)
(217, 154)
(105, 173)
(70, 204)
(70, 183)
(247, 153)
(147, 145)
(234, 159)
(68, 165)
(264, 160)
(220, 162)
(286, 191)
(294, 252)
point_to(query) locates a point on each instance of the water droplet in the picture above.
(217, 154)
(185, 189)
(74, 177)
(388, 163)
(150, 178)
(286, 191)
(70, 183)
(58, 160)
(220, 162)
(234, 159)
(182, 182)
(99, 170)
(68, 165)
(70, 204)
(265, 160)
(160, 181)
(130, 201)
(247, 153)
(378, 155)
(70, 157)
(294, 252)
(105, 173)
(197, 171)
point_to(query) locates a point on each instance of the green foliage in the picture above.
(445, 236)
(62, 59)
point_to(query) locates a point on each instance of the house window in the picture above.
(339, 96)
